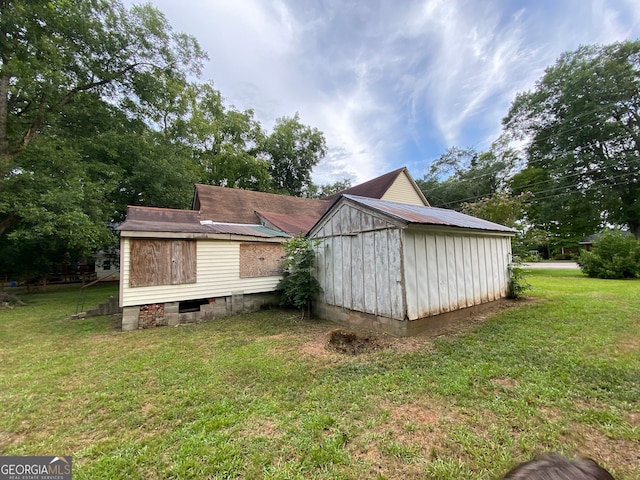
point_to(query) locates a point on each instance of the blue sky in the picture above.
(390, 83)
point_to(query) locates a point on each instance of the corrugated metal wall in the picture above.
(447, 271)
(218, 275)
(360, 271)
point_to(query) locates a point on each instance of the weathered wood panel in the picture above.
(396, 290)
(381, 260)
(260, 260)
(162, 262)
(369, 270)
(357, 273)
(346, 272)
(338, 283)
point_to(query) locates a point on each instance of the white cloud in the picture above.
(383, 77)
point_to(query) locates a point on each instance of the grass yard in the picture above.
(260, 396)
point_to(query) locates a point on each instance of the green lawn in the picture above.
(259, 396)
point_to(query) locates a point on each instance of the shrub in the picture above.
(298, 285)
(518, 284)
(614, 255)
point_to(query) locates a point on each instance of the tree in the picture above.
(581, 123)
(226, 143)
(321, 191)
(293, 149)
(52, 51)
(465, 175)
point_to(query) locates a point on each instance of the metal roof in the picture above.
(149, 219)
(429, 215)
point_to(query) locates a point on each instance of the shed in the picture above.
(399, 268)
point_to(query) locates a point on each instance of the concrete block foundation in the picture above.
(139, 317)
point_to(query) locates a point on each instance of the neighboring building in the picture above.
(107, 265)
(177, 267)
(391, 267)
(387, 260)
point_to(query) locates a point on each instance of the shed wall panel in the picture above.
(450, 270)
(338, 281)
(411, 252)
(346, 272)
(396, 290)
(429, 284)
(381, 260)
(357, 273)
(368, 257)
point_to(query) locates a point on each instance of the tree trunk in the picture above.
(7, 222)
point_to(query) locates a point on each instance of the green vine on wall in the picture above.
(299, 286)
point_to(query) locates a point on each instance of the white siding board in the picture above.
(468, 271)
(443, 287)
(461, 296)
(411, 275)
(482, 268)
(452, 281)
(422, 275)
(432, 279)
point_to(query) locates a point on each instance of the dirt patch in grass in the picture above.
(352, 343)
(402, 443)
(621, 455)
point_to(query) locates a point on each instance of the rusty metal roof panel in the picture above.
(149, 219)
(429, 215)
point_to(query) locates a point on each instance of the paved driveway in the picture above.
(551, 265)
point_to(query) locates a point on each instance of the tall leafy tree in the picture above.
(581, 124)
(52, 51)
(465, 175)
(293, 149)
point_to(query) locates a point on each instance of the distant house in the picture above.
(387, 260)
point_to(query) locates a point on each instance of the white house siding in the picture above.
(359, 264)
(218, 275)
(402, 191)
(445, 271)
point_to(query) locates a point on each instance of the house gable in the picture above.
(405, 190)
